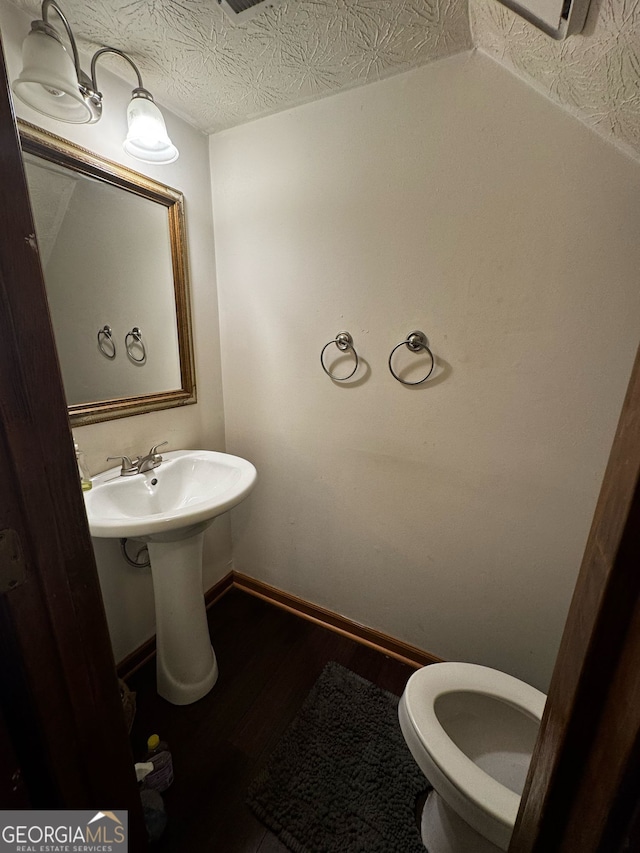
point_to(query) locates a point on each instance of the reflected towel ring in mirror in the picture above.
(415, 342)
(344, 342)
(136, 339)
(105, 339)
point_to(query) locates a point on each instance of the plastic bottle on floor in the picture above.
(162, 774)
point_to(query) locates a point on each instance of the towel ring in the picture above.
(136, 336)
(105, 337)
(415, 342)
(344, 342)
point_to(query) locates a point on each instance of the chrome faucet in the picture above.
(128, 468)
(151, 460)
(142, 463)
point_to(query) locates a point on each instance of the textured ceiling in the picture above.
(596, 74)
(217, 73)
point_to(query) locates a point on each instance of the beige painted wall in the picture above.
(457, 200)
(128, 593)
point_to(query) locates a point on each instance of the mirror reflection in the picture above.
(111, 245)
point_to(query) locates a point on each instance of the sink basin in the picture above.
(176, 500)
(169, 507)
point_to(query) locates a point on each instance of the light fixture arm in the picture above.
(115, 50)
(51, 4)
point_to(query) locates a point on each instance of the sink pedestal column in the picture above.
(186, 665)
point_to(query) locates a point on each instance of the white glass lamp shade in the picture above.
(48, 82)
(147, 139)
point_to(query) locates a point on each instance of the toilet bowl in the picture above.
(471, 730)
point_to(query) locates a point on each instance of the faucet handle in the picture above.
(128, 468)
(154, 449)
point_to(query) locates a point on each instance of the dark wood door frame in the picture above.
(58, 689)
(59, 694)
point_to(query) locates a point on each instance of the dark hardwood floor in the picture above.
(269, 659)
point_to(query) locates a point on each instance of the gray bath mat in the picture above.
(342, 779)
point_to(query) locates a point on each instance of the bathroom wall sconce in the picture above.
(54, 84)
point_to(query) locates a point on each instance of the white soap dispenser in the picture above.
(83, 469)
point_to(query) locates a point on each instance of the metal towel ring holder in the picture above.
(344, 342)
(136, 336)
(105, 337)
(415, 342)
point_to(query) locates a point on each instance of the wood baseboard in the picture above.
(404, 652)
(138, 657)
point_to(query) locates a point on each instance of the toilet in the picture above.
(471, 730)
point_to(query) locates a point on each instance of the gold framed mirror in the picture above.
(113, 251)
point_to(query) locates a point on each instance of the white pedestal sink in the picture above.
(170, 507)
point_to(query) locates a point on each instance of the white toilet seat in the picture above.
(486, 804)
